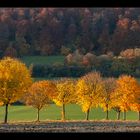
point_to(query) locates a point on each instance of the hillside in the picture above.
(55, 31)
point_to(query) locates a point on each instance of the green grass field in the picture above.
(53, 112)
(28, 60)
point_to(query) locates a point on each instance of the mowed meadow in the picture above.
(21, 113)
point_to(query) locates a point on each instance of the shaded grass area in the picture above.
(53, 112)
(49, 60)
(45, 78)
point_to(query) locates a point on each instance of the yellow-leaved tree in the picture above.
(109, 87)
(15, 79)
(135, 106)
(89, 91)
(65, 93)
(40, 95)
(126, 91)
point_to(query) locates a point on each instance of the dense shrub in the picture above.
(59, 71)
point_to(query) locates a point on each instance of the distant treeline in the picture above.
(53, 31)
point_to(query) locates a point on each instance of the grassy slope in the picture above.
(53, 112)
(43, 60)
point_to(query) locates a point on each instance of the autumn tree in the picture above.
(109, 87)
(15, 79)
(121, 31)
(104, 39)
(65, 51)
(69, 58)
(126, 91)
(89, 90)
(10, 52)
(137, 52)
(135, 106)
(128, 53)
(66, 94)
(88, 59)
(22, 46)
(40, 95)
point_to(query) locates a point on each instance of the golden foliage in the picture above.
(109, 87)
(135, 105)
(89, 90)
(66, 92)
(15, 79)
(126, 92)
(40, 94)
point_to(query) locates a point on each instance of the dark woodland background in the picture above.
(44, 31)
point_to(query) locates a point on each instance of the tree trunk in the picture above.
(107, 112)
(124, 115)
(139, 115)
(107, 115)
(63, 112)
(6, 113)
(87, 115)
(38, 115)
(118, 115)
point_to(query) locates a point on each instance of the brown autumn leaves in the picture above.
(89, 91)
